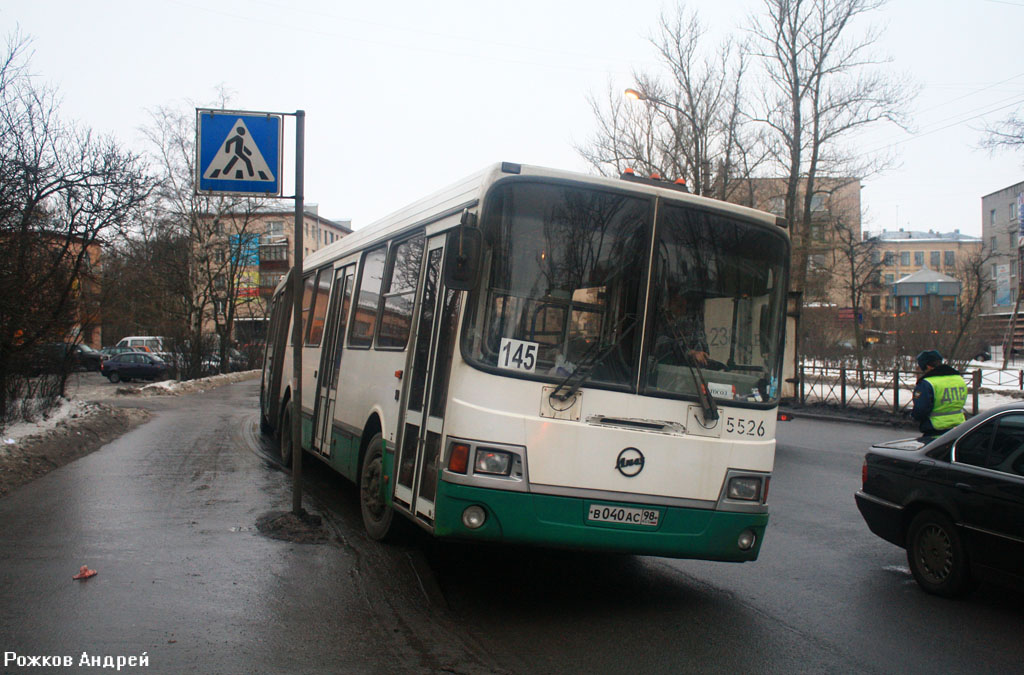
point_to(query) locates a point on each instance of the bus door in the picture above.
(429, 366)
(330, 360)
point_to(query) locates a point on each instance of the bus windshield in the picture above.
(568, 276)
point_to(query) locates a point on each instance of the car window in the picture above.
(1007, 444)
(972, 448)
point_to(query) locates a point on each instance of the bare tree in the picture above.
(1007, 134)
(858, 270)
(822, 87)
(64, 193)
(976, 280)
(217, 234)
(689, 122)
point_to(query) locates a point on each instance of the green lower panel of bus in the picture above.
(567, 522)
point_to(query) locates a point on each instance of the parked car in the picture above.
(111, 351)
(55, 357)
(955, 503)
(134, 366)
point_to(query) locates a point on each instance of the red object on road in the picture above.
(85, 573)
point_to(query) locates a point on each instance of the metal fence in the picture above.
(890, 390)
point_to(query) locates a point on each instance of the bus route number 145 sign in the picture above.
(517, 355)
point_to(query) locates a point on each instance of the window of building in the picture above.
(992, 217)
(888, 303)
(950, 258)
(218, 227)
(915, 303)
(919, 258)
(270, 281)
(371, 276)
(890, 258)
(1013, 210)
(876, 257)
(905, 258)
(890, 278)
(817, 202)
(992, 243)
(876, 302)
(936, 259)
(275, 227)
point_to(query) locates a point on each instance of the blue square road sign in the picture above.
(238, 153)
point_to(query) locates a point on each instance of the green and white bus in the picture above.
(544, 357)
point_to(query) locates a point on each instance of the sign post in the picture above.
(239, 152)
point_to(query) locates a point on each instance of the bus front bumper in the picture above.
(562, 522)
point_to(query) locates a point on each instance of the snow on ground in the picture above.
(72, 408)
(66, 410)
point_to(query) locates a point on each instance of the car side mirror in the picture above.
(462, 257)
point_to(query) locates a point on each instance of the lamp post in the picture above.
(701, 169)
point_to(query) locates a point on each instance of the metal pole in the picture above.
(896, 391)
(296, 430)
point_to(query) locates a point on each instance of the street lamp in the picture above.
(635, 95)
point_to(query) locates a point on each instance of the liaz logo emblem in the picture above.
(630, 462)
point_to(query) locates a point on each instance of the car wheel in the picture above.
(936, 555)
(285, 437)
(377, 515)
(114, 377)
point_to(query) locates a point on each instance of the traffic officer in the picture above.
(939, 396)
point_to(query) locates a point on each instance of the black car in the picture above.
(57, 357)
(955, 503)
(134, 365)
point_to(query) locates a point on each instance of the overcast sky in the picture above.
(403, 97)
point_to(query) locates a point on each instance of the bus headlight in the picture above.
(745, 488)
(494, 462)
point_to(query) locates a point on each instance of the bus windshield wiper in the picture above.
(679, 343)
(592, 358)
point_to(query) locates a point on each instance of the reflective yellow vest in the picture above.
(950, 396)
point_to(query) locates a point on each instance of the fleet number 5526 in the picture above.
(743, 427)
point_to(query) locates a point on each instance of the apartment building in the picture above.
(1002, 223)
(257, 256)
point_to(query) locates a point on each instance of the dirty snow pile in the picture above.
(66, 410)
(176, 387)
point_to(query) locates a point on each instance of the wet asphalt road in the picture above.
(166, 515)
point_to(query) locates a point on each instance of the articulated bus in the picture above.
(542, 357)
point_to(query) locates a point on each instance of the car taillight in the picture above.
(864, 473)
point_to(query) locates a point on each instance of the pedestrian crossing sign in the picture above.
(238, 153)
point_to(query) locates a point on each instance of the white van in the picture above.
(153, 343)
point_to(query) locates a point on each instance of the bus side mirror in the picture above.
(462, 258)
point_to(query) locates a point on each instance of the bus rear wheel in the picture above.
(377, 515)
(285, 437)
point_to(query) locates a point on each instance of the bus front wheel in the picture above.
(377, 515)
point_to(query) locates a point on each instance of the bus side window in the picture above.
(364, 319)
(400, 293)
(308, 284)
(319, 308)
